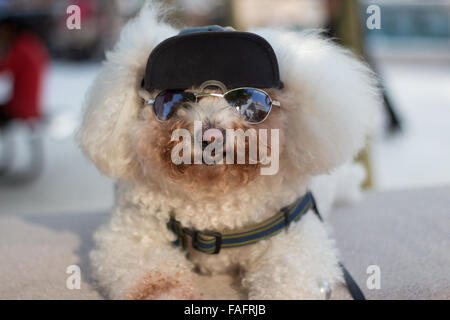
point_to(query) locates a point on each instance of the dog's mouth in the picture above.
(214, 157)
(217, 161)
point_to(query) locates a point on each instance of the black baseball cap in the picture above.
(195, 55)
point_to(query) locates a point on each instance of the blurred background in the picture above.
(42, 171)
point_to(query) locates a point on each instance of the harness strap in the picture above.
(352, 286)
(211, 242)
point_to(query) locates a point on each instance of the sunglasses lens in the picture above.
(253, 104)
(167, 103)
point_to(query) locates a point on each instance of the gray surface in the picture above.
(407, 234)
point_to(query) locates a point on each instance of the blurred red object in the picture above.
(26, 59)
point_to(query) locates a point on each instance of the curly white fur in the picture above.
(337, 103)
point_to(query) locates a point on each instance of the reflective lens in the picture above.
(168, 102)
(253, 104)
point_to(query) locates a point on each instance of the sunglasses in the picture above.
(251, 103)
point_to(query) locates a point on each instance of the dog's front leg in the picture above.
(294, 264)
(128, 266)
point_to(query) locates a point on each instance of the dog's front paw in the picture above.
(156, 286)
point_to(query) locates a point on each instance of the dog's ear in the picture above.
(112, 102)
(334, 100)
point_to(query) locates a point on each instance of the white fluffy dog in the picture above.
(328, 106)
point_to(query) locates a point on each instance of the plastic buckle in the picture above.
(175, 227)
(216, 235)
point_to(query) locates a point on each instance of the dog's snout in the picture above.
(212, 129)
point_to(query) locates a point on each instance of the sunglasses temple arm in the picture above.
(276, 103)
(144, 94)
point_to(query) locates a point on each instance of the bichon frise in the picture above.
(172, 221)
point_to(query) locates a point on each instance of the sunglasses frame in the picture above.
(199, 95)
